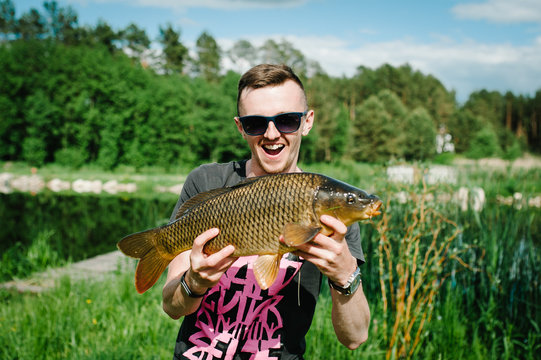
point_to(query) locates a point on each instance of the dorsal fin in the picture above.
(201, 197)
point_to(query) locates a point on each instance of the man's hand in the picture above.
(206, 270)
(350, 314)
(203, 271)
(330, 253)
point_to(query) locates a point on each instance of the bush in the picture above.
(34, 151)
(70, 157)
(484, 144)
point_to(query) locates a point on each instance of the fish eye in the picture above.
(350, 199)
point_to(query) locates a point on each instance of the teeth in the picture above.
(273, 147)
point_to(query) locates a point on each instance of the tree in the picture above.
(8, 21)
(340, 135)
(462, 126)
(61, 22)
(398, 113)
(374, 132)
(31, 25)
(135, 40)
(208, 52)
(175, 52)
(284, 52)
(484, 144)
(104, 35)
(420, 135)
(243, 55)
(534, 125)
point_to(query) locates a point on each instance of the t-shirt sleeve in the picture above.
(189, 189)
(353, 238)
(204, 178)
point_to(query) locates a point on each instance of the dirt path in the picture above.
(92, 268)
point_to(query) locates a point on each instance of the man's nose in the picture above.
(272, 132)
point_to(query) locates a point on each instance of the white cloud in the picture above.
(464, 67)
(502, 11)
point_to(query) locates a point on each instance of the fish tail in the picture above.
(142, 246)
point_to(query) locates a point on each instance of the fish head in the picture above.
(345, 202)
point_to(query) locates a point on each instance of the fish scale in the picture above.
(251, 216)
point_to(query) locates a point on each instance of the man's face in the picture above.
(274, 152)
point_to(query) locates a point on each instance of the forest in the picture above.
(76, 95)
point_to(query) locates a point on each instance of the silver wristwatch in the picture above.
(351, 285)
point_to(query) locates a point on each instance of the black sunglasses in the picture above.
(285, 123)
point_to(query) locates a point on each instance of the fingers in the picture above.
(201, 240)
(220, 258)
(339, 227)
(206, 270)
(329, 253)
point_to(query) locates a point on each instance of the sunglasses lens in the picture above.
(285, 123)
(288, 123)
(254, 125)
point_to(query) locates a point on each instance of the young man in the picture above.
(226, 314)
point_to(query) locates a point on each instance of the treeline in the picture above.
(78, 94)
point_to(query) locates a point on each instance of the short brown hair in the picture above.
(266, 75)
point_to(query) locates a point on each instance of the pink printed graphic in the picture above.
(237, 316)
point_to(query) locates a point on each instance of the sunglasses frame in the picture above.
(273, 119)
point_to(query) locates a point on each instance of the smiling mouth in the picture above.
(273, 149)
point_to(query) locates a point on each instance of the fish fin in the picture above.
(204, 196)
(297, 234)
(198, 199)
(151, 265)
(149, 269)
(266, 270)
(139, 244)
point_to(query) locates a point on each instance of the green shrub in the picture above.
(70, 157)
(484, 144)
(34, 151)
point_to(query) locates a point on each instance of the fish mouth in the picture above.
(374, 209)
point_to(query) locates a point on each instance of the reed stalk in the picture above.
(413, 254)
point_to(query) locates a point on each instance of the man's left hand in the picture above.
(330, 253)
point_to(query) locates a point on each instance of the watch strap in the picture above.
(351, 285)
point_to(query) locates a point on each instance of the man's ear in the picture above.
(239, 126)
(308, 122)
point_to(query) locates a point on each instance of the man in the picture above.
(227, 315)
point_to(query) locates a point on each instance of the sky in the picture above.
(467, 44)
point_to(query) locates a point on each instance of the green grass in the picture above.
(86, 320)
(108, 320)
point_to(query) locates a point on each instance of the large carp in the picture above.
(251, 216)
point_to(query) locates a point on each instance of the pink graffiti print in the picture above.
(237, 316)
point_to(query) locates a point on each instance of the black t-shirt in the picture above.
(238, 320)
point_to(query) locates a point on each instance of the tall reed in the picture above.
(413, 253)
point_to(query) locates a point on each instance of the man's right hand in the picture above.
(203, 272)
(206, 270)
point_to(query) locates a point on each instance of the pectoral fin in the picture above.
(297, 234)
(266, 270)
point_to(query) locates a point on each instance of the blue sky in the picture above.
(467, 44)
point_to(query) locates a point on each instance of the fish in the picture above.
(251, 216)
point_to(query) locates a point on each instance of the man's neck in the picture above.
(251, 172)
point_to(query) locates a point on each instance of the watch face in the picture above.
(351, 286)
(355, 284)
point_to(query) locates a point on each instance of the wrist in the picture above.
(190, 288)
(345, 275)
(350, 287)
